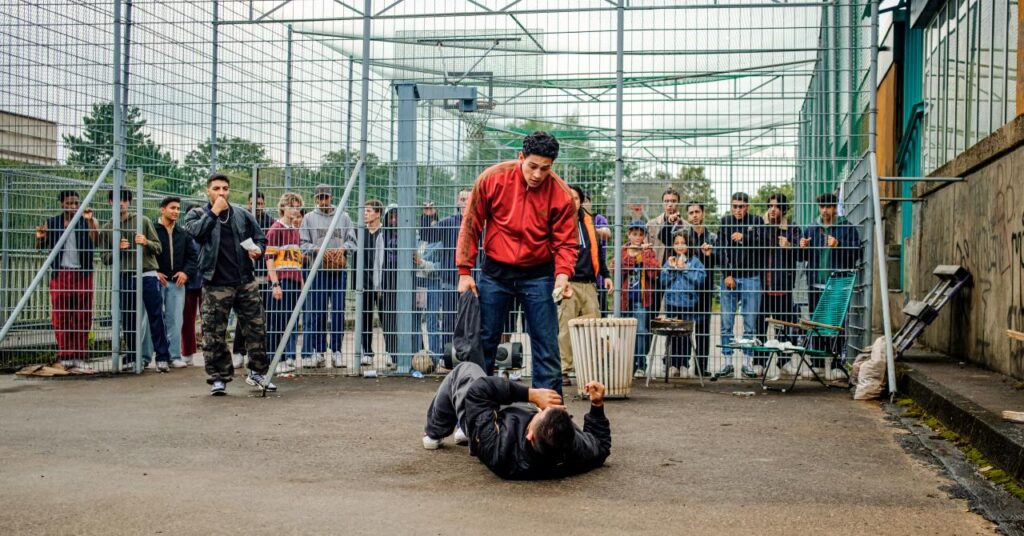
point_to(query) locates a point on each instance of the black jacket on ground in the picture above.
(498, 434)
(182, 248)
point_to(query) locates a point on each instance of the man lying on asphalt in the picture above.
(517, 442)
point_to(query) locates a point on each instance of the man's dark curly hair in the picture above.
(540, 143)
(554, 434)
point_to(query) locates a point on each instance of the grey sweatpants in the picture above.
(448, 407)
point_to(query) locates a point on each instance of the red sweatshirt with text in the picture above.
(524, 226)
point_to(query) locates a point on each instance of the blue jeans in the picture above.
(496, 297)
(278, 312)
(327, 288)
(748, 295)
(441, 305)
(174, 311)
(643, 336)
(154, 307)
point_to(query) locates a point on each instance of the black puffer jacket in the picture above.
(498, 435)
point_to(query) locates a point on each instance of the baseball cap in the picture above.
(322, 189)
(637, 224)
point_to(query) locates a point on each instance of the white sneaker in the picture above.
(673, 372)
(790, 367)
(430, 443)
(178, 363)
(366, 360)
(759, 369)
(284, 367)
(321, 358)
(639, 373)
(339, 361)
(308, 362)
(685, 373)
(237, 360)
(460, 437)
(188, 359)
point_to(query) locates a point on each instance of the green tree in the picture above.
(235, 157)
(689, 181)
(95, 147)
(759, 203)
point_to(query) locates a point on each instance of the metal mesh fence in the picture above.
(715, 126)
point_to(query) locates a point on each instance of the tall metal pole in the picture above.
(127, 54)
(115, 218)
(213, 87)
(361, 238)
(883, 274)
(253, 194)
(348, 122)
(619, 43)
(430, 139)
(140, 315)
(406, 197)
(5, 245)
(288, 117)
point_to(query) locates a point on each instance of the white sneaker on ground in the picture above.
(237, 360)
(284, 367)
(366, 360)
(673, 372)
(684, 372)
(178, 363)
(759, 369)
(259, 381)
(162, 366)
(339, 361)
(460, 437)
(639, 373)
(188, 359)
(430, 443)
(321, 358)
(308, 362)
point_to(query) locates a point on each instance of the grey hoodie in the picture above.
(313, 232)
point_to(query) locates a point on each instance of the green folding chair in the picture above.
(824, 331)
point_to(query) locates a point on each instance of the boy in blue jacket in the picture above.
(682, 278)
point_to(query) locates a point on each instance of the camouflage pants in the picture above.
(248, 306)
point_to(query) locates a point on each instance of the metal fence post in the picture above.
(213, 87)
(139, 308)
(5, 245)
(288, 116)
(357, 354)
(619, 43)
(115, 218)
(883, 274)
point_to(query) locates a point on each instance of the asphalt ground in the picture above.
(155, 454)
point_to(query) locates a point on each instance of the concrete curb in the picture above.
(1001, 442)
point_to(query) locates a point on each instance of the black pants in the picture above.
(448, 407)
(385, 304)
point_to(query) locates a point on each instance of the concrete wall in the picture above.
(979, 224)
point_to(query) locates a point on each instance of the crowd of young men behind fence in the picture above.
(671, 267)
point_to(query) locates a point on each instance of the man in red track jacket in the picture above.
(526, 215)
